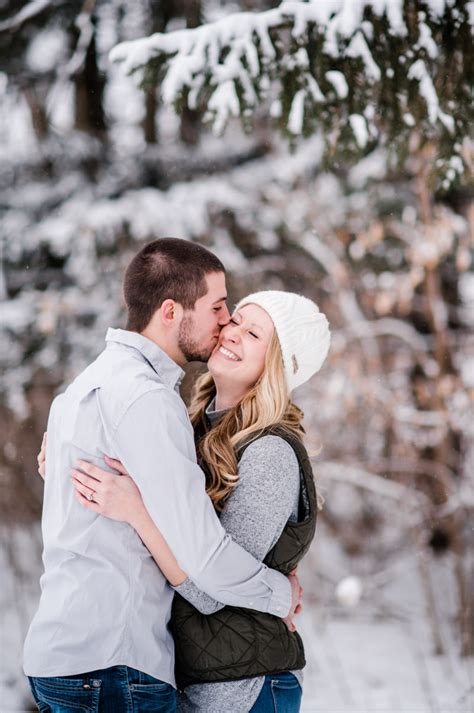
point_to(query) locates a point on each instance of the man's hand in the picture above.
(296, 596)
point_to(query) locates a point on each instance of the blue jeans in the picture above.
(281, 693)
(119, 689)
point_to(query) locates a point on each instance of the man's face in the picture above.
(200, 328)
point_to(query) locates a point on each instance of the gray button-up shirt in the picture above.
(104, 602)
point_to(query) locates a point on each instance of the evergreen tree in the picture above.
(390, 72)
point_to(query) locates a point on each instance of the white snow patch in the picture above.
(358, 48)
(426, 41)
(296, 115)
(419, 72)
(371, 168)
(359, 127)
(338, 81)
(314, 89)
(46, 50)
(224, 103)
(349, 591)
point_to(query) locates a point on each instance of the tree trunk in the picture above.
(89, 84)
(190, 127)
(149, 122)
(447, 450)
(39, 119)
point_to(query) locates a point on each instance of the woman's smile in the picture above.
(228, 354)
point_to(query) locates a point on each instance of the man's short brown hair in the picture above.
(167, 268)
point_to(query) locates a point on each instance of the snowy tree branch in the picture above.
(364, 71)
(28, 12)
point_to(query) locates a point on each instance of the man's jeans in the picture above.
(118, 689)
(281, 693)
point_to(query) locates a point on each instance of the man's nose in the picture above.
(224, 316)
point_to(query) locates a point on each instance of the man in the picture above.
(99, 640)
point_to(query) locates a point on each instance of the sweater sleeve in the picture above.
(258, 508)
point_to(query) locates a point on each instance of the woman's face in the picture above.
(243, 343)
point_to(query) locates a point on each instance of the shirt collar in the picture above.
(169, 371)
(213, 415)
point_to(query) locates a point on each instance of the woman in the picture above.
(249, 443)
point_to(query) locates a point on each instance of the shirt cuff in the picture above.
(183, 587)
(280, 600)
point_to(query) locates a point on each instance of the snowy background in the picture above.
(91, 167)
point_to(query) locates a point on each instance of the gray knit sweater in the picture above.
(257, 510)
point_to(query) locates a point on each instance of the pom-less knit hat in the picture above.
(302, 330)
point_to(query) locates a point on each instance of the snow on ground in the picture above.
(379, 656)
(375, 657)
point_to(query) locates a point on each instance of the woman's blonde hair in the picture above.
(266, 404)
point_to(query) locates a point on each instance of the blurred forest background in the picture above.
(324, 149)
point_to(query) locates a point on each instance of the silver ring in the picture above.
(90, 497)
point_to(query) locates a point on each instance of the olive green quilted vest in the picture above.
(234, 642)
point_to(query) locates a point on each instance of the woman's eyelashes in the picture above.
(255, 336)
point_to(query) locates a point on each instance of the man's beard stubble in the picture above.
(189, 347)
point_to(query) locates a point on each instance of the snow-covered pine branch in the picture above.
(29, 11)
(365, 72)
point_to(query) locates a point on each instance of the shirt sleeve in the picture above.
(258, 508)
(154, 441)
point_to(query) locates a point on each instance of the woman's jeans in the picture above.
(118, 689)
(281, 693)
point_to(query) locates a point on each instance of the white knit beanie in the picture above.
(302, 330)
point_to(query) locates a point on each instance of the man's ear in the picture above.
(171, 313)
